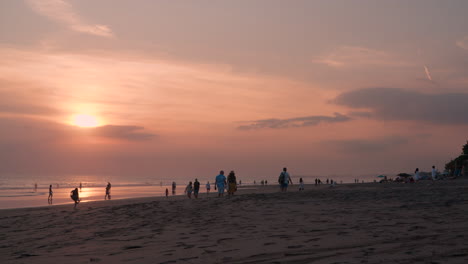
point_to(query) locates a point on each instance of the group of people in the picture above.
(417, 175)
(75, 196)
(221, 184)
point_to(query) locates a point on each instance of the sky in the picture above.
(186, 88)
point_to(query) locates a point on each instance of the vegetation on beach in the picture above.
(458, 161)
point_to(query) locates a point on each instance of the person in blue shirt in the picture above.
(220, 183)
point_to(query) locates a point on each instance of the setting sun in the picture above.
(83, 120)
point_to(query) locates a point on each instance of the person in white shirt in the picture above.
(416, 174)
(434, 173)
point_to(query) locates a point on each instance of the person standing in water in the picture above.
(49, 199)
(75, 196)
(173, 187)
(108, 188)
(81, 186)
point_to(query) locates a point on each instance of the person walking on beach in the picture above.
(208, 188)
(108, 188)
(74, 196)
(49, 199)
(416, 174)
(232, 183)
(434, 173)
(173, 187)
(301, 184)
(284, 180)
(188, 190)
(196, 188)
(167, 192)
(220, 183)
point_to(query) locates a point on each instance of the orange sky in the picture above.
(323, 88)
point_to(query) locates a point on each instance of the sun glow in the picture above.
(83, 120)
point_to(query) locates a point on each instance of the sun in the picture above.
(83, 120)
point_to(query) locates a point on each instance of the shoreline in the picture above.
(350, 223)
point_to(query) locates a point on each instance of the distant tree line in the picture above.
(458, 162)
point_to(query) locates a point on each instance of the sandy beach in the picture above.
(355, 223)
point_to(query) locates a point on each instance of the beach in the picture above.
(425, 222)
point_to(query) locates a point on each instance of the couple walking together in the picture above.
(220, 183)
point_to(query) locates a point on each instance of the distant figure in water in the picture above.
(35, 187)
(167, 192)
(81, 186)
(49, 199)
(108, 187)
(208, 188)
(196, 188)
(232, 183)
(75, 197)
(220, 183)
(301, 184)
(188, 190)
(173, 188)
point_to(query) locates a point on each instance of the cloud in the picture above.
(366, 145)
(38, 131)
(294, 122)
(463, 43)
(17, 100)
(400, 104)
(346, 56)
(62, 12)
(131, 133)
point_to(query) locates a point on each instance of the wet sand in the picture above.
(356, 223)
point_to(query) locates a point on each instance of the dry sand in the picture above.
(356, 223)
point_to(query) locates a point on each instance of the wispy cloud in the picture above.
(62, 12)
(353, 55)
(294, 122)
(130, 133)
(463, 43)
(428, 73)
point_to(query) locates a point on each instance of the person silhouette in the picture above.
(189, 190)
(108, 187)
(75, 196)
(49, 199)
